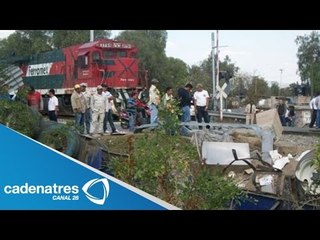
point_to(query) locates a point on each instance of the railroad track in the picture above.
(194, 124)
(303, 130)
(227, 114)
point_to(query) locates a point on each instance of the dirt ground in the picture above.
(288, 143)
(117, 143)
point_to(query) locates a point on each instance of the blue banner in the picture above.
(36, 177)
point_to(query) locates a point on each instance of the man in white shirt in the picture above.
(154, 101)
(313, 108)
(108, 114)
(98, 106)
(201, 103)
(53, 106)
(317, 104)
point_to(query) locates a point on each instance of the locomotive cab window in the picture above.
(122, 54)
(83, 61)
(108, 54)
(96, 57)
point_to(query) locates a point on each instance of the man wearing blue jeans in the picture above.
(201, 102)
(185, 99)
(78, 106)
(88, 112)
(108, 114)
(154, 101)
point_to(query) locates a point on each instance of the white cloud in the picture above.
(171, 45)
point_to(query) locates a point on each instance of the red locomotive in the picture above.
(101, 61)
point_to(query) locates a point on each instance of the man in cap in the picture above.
(78, 106)
(154, 101)
(108, 117)
(98, 106)
(35, 99)
(87, 113)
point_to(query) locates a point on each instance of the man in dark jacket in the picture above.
(185, 98)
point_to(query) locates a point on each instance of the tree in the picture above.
(239, 87)
(27, 42)
(151, 45)
(228, 66)
(257, 87)
(205, 77)
(21, 43)
(39, 40)
(309, 59)
(175, 73)
(274, 89)
(287, 91)
(198, 74)
(64, 38)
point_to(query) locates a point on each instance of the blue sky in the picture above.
(259, 52)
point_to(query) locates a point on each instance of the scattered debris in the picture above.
(249, 171)
(265, 180)
(231, 174)
(220, 152)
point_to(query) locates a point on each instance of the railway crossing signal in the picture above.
(221, 92)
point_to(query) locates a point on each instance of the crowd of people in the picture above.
(154, 100)
(185, 98)
(93, 111)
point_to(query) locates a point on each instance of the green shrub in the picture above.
(20, 117)
(168, 168)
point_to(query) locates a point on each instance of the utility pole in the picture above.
(217, 59)
(213, 71)
(217, 77)
(91, 35)
(281, 70)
